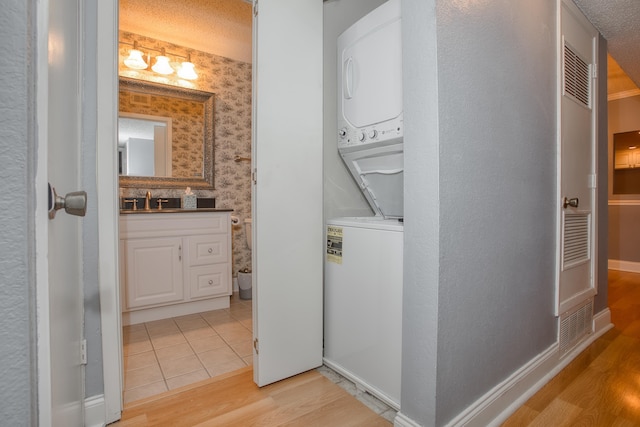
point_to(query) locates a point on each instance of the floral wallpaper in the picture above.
(231, 82)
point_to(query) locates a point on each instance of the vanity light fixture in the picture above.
(163, 65)
(186, 70)
(135, 60)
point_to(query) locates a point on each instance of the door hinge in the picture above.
(595, 70)
(255, 345)
(83, 352)
(255, 7)
(593, 183)
(254, 176)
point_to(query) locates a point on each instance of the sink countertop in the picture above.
(172, 210)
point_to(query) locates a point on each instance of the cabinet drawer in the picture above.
(210, 280)
(208, 249)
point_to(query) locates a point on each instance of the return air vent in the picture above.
(141, 99)
(574, 326)
(575, 239)
(576, 77)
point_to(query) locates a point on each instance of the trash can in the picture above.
(244, 283)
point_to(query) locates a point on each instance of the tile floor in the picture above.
(171, 353)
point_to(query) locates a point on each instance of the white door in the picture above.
(287, 194)
(577, 160)
(61, 389)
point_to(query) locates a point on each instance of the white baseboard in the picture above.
(633, 267)
(94, 415)
(504, 399)
(402, 420)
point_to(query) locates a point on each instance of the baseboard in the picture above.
(633, 267)
(94, 411)
(503, 400)
(402, 420)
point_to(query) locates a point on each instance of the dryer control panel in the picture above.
(349, 136)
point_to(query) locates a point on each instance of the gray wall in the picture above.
(17, 155)
(342, 197)
(624, 233)
(624, 221)
(497, 85)
(480, 191)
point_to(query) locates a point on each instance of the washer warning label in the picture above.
(334, 244)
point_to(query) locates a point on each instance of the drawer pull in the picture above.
(210, 250)
(211, 282)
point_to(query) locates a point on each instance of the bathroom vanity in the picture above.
(174, 263)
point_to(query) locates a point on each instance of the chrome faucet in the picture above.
(147, 199)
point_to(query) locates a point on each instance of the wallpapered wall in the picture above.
(230, 81)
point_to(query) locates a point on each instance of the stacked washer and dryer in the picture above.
(363, 264)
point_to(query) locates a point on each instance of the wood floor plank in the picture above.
(557, 414)
(601, 387)
(304, 400)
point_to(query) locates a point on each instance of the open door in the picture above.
(287, 189)
(577, 166)
(60, 290)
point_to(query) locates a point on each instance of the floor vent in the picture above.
(574, 326)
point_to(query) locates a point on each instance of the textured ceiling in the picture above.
(221, 27)
(619, 22)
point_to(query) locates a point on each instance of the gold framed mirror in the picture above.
(190, 139)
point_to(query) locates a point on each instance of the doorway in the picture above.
(216, 37)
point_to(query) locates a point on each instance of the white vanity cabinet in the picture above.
(172, 264)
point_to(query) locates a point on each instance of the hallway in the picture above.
(600, 387)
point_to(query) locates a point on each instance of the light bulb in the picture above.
(187, 72)
(162, 65)
(135, 60)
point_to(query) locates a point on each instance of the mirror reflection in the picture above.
(144, 145)
(626, 172)
(165, 135)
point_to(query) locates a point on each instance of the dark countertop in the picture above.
(172, 210)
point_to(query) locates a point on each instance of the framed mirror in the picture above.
(165, 136)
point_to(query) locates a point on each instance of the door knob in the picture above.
(570, 202)
(74, 203)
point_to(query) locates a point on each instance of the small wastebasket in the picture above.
(244, 283)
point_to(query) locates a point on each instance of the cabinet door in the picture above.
(209, 281)
(154, 271)
(622, 160)
(208, 249)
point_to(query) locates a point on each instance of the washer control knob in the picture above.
(361, 136)
(342, 132)
(373, 133)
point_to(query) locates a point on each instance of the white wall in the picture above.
(17, 268)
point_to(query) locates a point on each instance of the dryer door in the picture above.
(370, 68)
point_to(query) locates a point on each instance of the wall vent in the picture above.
(575, 239)
(141, 99)
(574, 326)
(576, 82)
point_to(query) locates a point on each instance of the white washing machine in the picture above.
(363, 264)
(363, 303)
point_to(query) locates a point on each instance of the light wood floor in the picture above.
(308, 399)
(601, 387)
